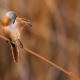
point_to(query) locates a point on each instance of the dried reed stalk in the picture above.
(42, 58)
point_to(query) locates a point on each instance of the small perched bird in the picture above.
(12, 26)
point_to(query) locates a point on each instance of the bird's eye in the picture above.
(5, 21)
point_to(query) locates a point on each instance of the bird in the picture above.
(12, 26)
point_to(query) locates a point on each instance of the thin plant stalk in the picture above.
(42, 58)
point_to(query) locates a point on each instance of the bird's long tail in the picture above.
(15, 52)
(15, 49)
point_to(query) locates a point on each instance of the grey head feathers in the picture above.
(11, 15)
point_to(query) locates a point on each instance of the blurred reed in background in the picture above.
(54, 35)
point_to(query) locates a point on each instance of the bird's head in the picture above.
(11, 16)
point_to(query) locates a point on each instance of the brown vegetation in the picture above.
(54, 35)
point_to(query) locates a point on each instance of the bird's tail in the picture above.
(15, 52)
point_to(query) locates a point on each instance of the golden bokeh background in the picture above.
(55, 34)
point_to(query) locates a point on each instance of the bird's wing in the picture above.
(23, 21)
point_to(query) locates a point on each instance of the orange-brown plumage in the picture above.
(12, 28)
(5, 21)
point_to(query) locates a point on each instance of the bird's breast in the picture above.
(12, 31)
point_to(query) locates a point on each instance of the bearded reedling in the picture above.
(12, 26)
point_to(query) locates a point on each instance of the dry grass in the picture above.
(54, 35)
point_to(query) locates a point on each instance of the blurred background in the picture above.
(55, 34)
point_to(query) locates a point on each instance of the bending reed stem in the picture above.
(42, 58)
